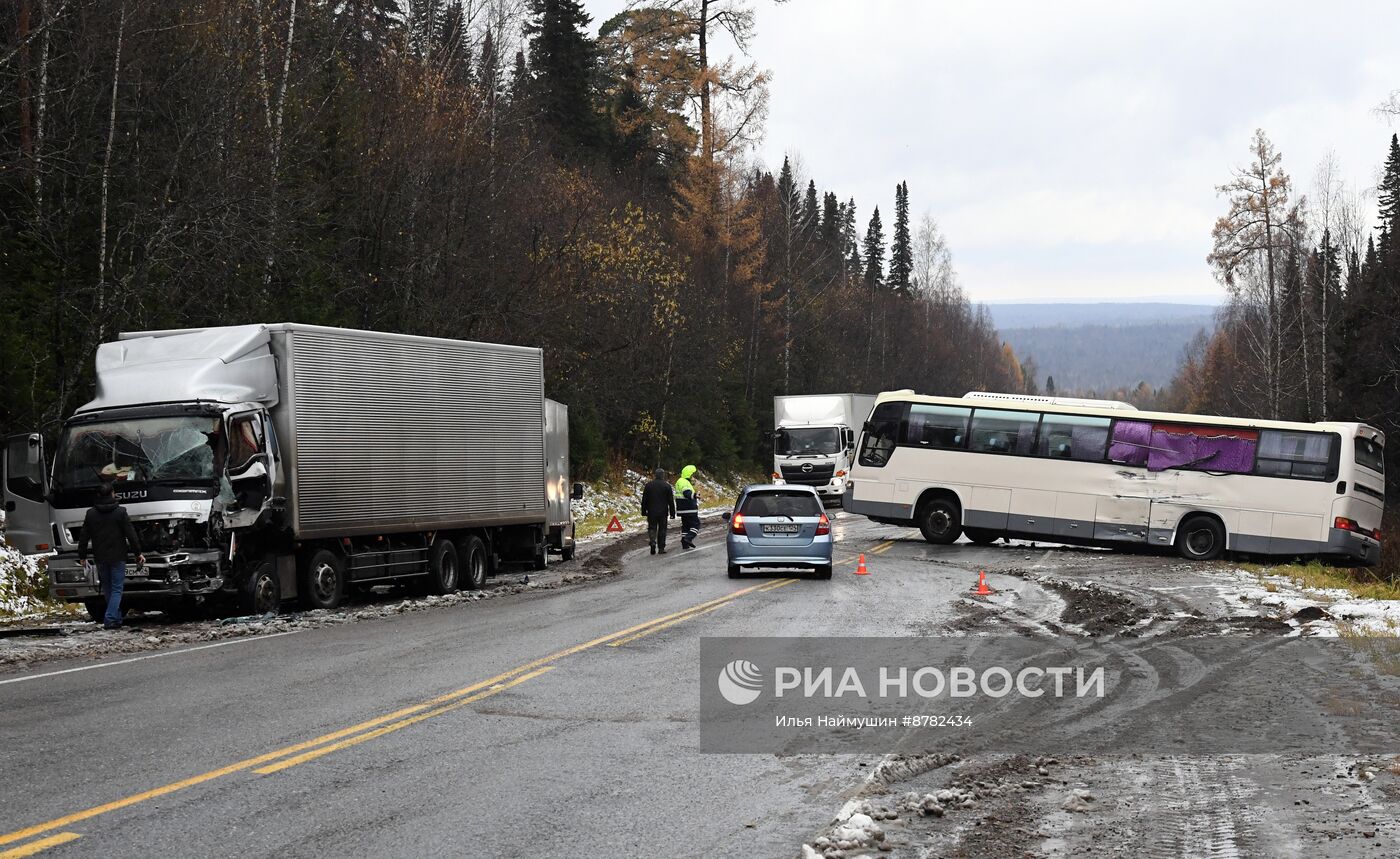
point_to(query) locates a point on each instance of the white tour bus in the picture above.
(1095, 472)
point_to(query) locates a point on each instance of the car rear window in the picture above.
(778, 503)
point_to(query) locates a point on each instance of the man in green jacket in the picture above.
(688, 506)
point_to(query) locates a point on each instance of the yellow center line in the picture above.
(40, 845)
(259, 760)
(404, 723)
(880, 550)
(660, 626)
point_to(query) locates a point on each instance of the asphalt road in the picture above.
(564, 723)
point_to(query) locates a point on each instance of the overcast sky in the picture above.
(1070, 150)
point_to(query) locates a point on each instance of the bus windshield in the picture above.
(807, 441)
(138, 450)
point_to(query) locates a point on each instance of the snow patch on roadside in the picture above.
(21, 578)
(1313, 611)
(602, 501)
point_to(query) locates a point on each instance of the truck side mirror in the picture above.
(577, 493)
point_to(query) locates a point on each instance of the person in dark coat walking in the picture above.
(658, 505)
(688, 505)
(108, 530)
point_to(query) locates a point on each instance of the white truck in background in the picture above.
(814, 439)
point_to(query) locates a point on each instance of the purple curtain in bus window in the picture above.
(1130, 442)
(1210, 450)
(1232, 454)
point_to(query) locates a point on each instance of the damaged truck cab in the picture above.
(264, 462)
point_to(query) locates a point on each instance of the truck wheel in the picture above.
(541, 559)
(940, 521)
(323, 580)
(1201, 538)
(442, 568)
(96, 608)
(261, 592)
(568, 553)
(473, 554)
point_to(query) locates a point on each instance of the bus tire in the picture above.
(474, 564)
(981, 537)
(1200, 538)
(443, 569)
(940, 521)
(323, 580)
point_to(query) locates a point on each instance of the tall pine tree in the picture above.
(875, 251)
(563, 61)
(902, 250)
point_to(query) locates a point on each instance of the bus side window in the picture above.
(881, 434)
(1078, 437)
(937, 426)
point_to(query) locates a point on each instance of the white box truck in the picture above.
(267, 462)
(814, 439)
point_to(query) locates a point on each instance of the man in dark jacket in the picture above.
(108, 529)
(658, 505)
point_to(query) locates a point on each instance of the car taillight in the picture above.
(736, 525)
(823, 525)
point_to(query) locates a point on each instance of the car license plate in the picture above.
(781, 529)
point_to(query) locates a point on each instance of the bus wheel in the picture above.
(981, 537)
(473, 553)
(940, 521)
(1201, 538)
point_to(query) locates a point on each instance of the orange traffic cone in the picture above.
(860, 568)
(982, 590)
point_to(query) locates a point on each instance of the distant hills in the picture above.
(1102, 345)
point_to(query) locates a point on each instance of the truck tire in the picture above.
(568, 553)
(323, 580)
(96, 608)
(940, 521)
(261, 592)
(541, 559)
(443, 569)
(473, 555)
(1201, 538)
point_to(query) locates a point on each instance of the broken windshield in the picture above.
(807, 441)
(139, 450)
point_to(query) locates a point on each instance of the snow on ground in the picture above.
(1321, 608)
(602, 501)
(20, 580)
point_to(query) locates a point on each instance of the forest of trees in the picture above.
(477, 169)
(1312, 328)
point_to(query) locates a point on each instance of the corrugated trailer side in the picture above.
(387, 433)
